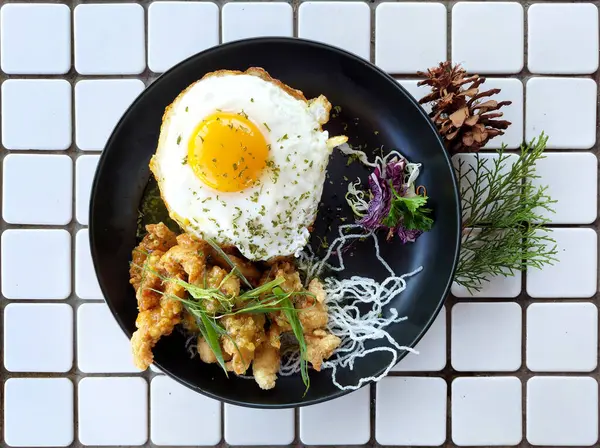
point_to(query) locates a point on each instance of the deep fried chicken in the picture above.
(320, 346)
(245, 333)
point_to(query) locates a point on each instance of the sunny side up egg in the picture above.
(241, 159)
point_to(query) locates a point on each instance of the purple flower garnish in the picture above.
(386, 208)
(379, 207)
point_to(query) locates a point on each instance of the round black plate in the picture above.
(375, 112)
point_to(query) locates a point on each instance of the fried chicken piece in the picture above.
(320, 345)
(273, 335)
(312, 311)
(188, 322)
(149, 289)
(246, 332)
(189, 255)
(158, 238)
(247, 268)
(266, 365)
(217, 278)
(205, 352)
(152, 324)
(185, 260)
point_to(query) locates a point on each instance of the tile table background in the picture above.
(516, 365)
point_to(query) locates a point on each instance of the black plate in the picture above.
(375, 111)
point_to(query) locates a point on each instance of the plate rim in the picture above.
(227, 47)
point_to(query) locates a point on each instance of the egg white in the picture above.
(272, 217)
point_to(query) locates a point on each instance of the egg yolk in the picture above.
(227, 151)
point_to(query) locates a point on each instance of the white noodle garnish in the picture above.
(343, 298)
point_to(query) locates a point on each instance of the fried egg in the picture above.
(241, 159)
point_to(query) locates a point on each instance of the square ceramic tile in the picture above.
(563, 108)
(245, 426)
(575, 274)
(342, 421)
(113, 411)
(35, 39)
(510, 90)
(85, 169)
(102, 347)
(242, 20)
(315, 20)
(36, 114)
(410, 37)
(86, 281)
(467, 164)
(495, 286)
(109, 39)
(411, 411)
(502, 50)
(180, 416)
(38, 337)
(21, 255)
(431, 348)
(562, 337)
(486, 411)
(563, 38)
(480, 329)
(178, 30)
(37, 189)
(38, 412)
(99, 105)
(416, 91)
(569, 209)
(562, 411)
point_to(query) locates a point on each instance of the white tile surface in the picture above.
(563, 108)
(37, 189)
(113, 411)
(575, 275)
(38, 412)
(581, 208)
(99, 105)
(315, 19)
(180, 416)
(177, 30)
(245, 426)
(479, 329)
(563, 38)
(431, 348)
(486, 411)
(242, 20)
(562, 337)
(343, 421)
(416, 91)
(467, 170)
(38, 337)
(511, 90)
(21, 255)
(102, 347)
(496, 286)
(562, 411)
(85, 169)
(411, 411)
(502, 50)
(410, 37)
(109, 39)
(86, 282)
(36, 114)
(35, 39)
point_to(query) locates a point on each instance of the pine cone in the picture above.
(465, 121)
